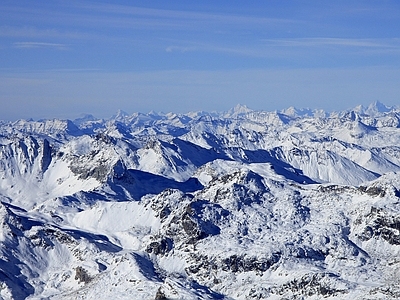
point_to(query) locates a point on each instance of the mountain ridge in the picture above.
(245, 204)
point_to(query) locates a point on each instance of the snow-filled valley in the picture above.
(296, 204)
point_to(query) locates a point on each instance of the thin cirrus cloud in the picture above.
(317, 42)
(36, 45)
(253, 51)
(191, 17)
(103, 15)
(36, 33)
(180, 49)
(76, 23)
(280, 47)
(110, 23)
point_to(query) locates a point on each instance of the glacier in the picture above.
(243, 204)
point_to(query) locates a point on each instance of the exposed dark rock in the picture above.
(40, 239)
(381, 224)
(333, 188)
(62, 237)
(372, 191)
(203, 264)
(234, 263)
(165, 211)
(103, 137)
(46, 155)
(160, 247)
(237, 263)
(160, 295)
(82, 275)
(196, 225)
(392, 291)
(367, 234)
(192, 228)
(99, 171)
(318, 284)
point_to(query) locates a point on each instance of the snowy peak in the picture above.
(120, 115)
(304, 112)
(238, 110)
(377, 108)
(374, 109)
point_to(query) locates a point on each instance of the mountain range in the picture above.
(243, 204)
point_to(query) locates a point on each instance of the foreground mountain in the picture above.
(297, 204)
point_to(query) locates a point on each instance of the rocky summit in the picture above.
(292, 204)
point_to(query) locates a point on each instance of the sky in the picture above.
(60, 59)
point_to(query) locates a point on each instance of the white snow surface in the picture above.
(297, 204)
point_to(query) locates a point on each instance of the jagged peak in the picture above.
(238, 110)
(374, 109)
(377, 108)
(157, 114)
(120, 115)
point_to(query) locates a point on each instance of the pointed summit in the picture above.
(360, 109)
(377, 108)
(238, 110)
(120, 115)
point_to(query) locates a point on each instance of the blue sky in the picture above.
(63, 58)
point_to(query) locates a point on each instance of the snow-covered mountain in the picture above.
(296, 204)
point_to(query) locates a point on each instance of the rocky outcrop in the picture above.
(380, 224)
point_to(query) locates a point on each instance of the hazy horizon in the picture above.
(61, 59)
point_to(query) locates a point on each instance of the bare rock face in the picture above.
(46, 155)
(381, 224)
(314, 284)
(82, 275)
(160, 247)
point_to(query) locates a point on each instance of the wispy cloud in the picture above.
(34, 32)
(36, 45)
(318, 42)
(102, 15)
(269, 48)
(192, 16)
(113, 35)
(195, 46)
(180, 49)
